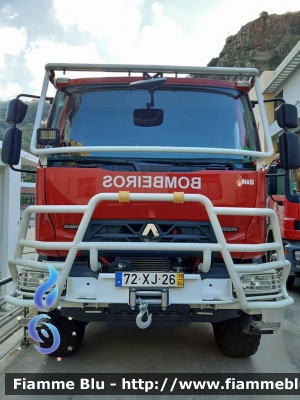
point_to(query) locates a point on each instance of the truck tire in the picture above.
(290, 282)
(232, 341)
(271, 255)
(71, 335)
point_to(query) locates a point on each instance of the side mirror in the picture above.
(287, 116)
(272, 180)
(11, 146)
(289, 149)
(16, 111)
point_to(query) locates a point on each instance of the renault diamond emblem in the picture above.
(150, 233)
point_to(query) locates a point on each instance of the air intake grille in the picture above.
(149, 231)
(152, 264)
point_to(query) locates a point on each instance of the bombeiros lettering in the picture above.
(149, 181)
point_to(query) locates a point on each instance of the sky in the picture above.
(161, 32)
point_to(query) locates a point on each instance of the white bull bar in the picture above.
(252, 303)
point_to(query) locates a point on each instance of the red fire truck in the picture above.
(151, 202)
(284, 195)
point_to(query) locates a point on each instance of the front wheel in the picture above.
(290, 282)
(232, 341)
(71, 334)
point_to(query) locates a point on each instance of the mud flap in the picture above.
(253, 325)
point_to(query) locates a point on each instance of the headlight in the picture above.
(30, 280)
(261, 283)
(297, 256)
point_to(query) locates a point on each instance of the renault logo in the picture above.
(150, 233)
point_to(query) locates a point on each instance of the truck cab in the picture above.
(150, 204)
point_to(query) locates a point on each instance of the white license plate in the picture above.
(150, 279)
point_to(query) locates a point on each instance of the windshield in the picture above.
(192, 117)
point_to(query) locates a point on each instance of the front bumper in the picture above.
(196, 292)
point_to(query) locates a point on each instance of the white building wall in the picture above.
(9, 218)
(291, 88)
(291, 92)
(10, 183)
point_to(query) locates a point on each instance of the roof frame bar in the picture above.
(158, 69)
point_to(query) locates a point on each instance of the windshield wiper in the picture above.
(207, 165)
(203, 164)
(94, 162)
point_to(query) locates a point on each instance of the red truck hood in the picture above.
(69, 186)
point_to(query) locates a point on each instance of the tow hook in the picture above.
(143, 308)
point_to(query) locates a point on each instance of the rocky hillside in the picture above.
(262, 43)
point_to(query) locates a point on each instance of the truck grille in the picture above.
(149, 231)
